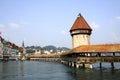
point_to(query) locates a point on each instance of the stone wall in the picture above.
(80, 39)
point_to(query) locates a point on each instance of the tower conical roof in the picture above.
(80, 23)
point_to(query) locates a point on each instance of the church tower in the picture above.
(22, 53)
(80, 32)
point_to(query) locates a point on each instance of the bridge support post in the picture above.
(81, 65)
(69, 63)
(112, 64)
(73, 64)
(88, 65)
(100, 64)
(113, 53)
(77, 65)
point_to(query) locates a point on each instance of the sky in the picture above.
(47, 22)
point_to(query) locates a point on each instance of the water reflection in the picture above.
(11, 70)
(7, 71)
(20, 69)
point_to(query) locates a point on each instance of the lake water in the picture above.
(36, 70)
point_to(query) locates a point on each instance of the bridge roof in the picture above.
(45, 55)
(102, 48)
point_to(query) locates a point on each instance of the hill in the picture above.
(46, 49)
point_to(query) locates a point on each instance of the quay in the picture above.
(83, 53)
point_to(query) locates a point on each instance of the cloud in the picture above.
(14, 25)
(17, 25)
(63, 32)
(24, 39)
(114, 38)
(118, 17)
(25, 23)
(94, 25)
(2, 26)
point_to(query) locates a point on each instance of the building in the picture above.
(1, 47)
(37, 51)
(8, 50)
(80, 32)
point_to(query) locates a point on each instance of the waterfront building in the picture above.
(14, 52)
(37, 51)
(1, 47)
(8, 50)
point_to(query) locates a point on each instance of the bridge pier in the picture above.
(84, 65)
(69, 63)
(112, 64)
(88, 65)
(100, 64)
(77, 65)
(73, 64)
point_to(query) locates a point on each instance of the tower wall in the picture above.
(80, 39)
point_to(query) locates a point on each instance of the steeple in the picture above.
(23, 44)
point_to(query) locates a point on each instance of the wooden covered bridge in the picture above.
(84, 56)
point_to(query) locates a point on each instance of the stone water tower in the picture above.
(80, 32)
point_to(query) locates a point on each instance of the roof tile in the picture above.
(80, 23)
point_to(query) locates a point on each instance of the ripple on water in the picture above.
(35, 70)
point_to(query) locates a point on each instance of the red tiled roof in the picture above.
(80, 23)
(102, 48)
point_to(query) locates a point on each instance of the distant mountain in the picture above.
(63, 48)
(50, 48)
